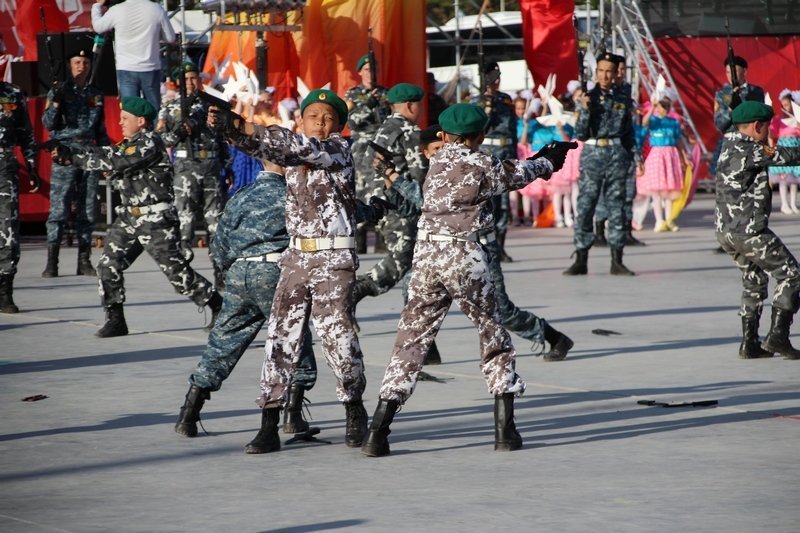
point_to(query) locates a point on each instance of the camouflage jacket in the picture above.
(460, 184)
(362, 119)
(743, 196)
(608, 116)
(321, 198)
(202, 137)
(722, 104)
(80, 117)
(254, 221)
(15, 124)
(401, 137)
(141, 167)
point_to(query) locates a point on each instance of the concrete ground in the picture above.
(99, 453)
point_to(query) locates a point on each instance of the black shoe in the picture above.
(506, 436)
(777, 340)
(190, 412)
(7, 304)
(85, 267)
(377, 443)
(267, 439)
(215, 304)
(617, 268)
(356, 428)
(505, 258)
(630, 240)
(578, 268)
(719, 250)
(51, 269)
(560, 344)
(600, 234)
(115, 325)
(433, 357)
(293, 421)
(750, 348)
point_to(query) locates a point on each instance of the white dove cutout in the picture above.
(660, 91)
(556, 115)
(303, 90)
(767, 99)
(219, 77)
(794, 120)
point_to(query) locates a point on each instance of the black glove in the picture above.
(182, 130)
(380, 206)
(555, 152)
(225, 120)
(62, 154)
(58, 93)
(33, 178)
(736, 98)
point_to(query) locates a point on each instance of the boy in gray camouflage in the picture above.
(452, 263)
(744, 203)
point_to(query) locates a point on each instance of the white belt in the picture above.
(266, 258)
(316, 244)
(441, 237)
(148, 209)
(198, 154)
(497, 142)
(602, 143)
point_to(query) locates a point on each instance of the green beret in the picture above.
(186, 66)
(463, 119)
(752, 111)
(139, 107)
(361, 62)
(324, 96)
(404, 92)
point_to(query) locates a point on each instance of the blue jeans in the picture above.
(144, 84)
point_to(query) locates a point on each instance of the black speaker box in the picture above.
(62, 45)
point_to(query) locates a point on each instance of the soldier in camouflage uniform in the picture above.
(318, 268)
(743, 206)
(450, 263)
(368, 109)
(199, 156)
(146, 219)
(399, 135)
(250, 238)
(604, 123)
(74, 112)
(15, 130)
(500, 141)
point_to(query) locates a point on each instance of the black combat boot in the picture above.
(51, 270)
(433, 357)
(600, 233)
(190, 412)
(85, 267)
(377, 443)
(501, 244)
(617, 268)
(560, 344)
(506, 436)
(267, 439)
(356, 428)
(630, 240)
(215, 304)
(579, 267)
(751, 347)
(777, 340)
(115, 325)
(361, 239)
(7, 304)
(293, 414)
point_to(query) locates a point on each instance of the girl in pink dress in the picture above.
(564, 183)
(783, 134)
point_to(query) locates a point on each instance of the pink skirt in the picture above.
(561, 181)
(663, 171)
(538, 189)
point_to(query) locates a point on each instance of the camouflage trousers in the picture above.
(399, 235)
(197, 195)
(9, 214)
(363, 166)
(601, 211)
(603, 172)
(316, 285)
(157, 234)
(68, 183)
(759, 257)
(444, 272)
(249, 290)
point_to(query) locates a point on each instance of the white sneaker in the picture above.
(569, 222)
(559, 222)
(786, 210)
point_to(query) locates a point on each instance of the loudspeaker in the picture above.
(61, 45)
(25, 75)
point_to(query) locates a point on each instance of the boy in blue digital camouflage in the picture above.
(146, 219)
(744, 203)
(74, 112)
(318, 268)
(15, 130)
(605, 125)
(250, 237)
(451, 263)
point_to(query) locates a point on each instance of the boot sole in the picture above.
(781, 350)
(370, 452)
(507, 446)
(186, 431)
(252, 450)
(559, 357)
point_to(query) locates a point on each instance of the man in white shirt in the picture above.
(138, 27)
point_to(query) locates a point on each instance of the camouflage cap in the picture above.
(361, 62)
(325, 96)
(463, 119)
(752, 111)
(139, 107)
(186, 66)
(404, 92)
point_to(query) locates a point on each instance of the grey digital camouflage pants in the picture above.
(604, 171)
(319, 286)
(68, 183)
(444, 272)
(399, 234)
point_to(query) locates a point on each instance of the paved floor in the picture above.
(99, 453)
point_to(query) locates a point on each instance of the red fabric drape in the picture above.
(29, 22)
(549, 39)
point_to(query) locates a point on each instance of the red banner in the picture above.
(549, 39)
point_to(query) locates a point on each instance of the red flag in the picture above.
(28, 21)
(549, 39)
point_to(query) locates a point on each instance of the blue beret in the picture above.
(752, 111)
(463, 119)
(138, 107)
(325, 96)
(404, 92)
